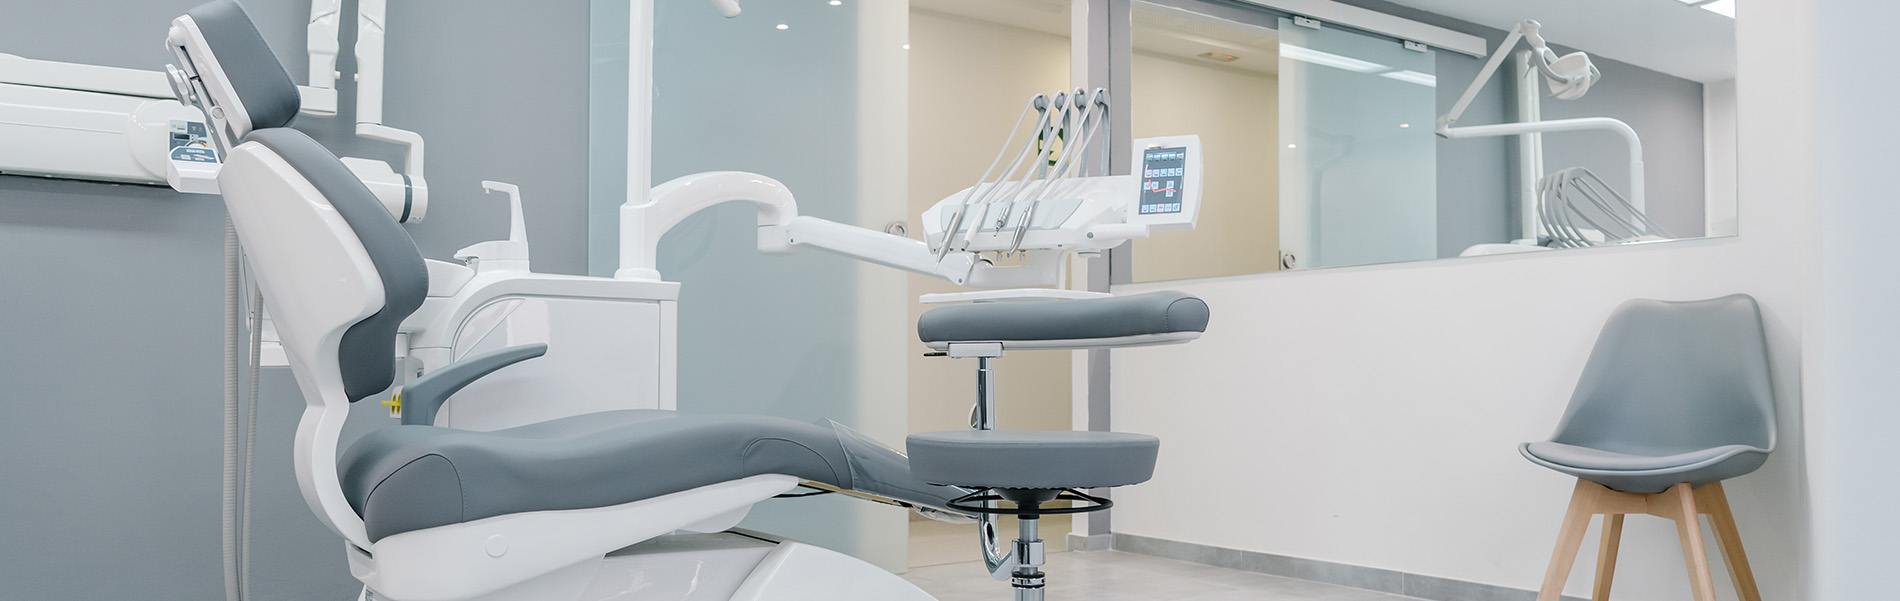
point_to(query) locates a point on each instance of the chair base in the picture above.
(1681, 503)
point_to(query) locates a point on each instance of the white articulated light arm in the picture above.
(325, 24)
(641, 226)
(1570, 77)
(407, 192)
(896, 252)
(781, 228)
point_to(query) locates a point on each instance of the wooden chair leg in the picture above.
(1689, 527)
(1569, 540)
(1711, 499)
(1606, 556)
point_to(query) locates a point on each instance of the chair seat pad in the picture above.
(1134, 320)
(1645, 473)
(1032, 459)
(404, 478)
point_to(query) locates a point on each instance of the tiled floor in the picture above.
(1116, 576)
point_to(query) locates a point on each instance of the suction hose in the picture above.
(229, 509)
(236, 501)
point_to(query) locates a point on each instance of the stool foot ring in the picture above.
(978, 502)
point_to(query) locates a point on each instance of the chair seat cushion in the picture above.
(1140, 319)
(1646, 473)
(1032, 459)
(404, 478)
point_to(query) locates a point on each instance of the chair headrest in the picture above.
(246, 88)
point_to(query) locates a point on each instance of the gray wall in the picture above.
(1475, 203)
(109, 350)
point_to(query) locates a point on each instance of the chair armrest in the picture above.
(423, 397)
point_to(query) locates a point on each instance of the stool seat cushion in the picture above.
(1032, 459)
(1153, 318)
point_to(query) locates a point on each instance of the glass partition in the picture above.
(776, 92)
(1358, 162)
(1550, 151)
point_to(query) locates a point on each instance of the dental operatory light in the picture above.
(1568, 77)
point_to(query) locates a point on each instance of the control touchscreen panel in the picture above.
(1163, 179)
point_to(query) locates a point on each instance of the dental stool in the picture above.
(1029, 468)
(1675, 399)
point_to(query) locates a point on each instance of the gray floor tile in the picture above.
(1116, 576)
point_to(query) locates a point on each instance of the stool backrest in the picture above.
(1670, 377)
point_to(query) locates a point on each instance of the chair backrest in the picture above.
(1669, 377)
(337, 273)
(245, 87)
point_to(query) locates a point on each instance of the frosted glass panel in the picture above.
(775, 92)
(1358, 160)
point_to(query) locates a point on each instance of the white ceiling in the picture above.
(1663, 35)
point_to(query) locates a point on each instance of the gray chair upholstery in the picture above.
(1031, 459)
(1673, 392)
(404, 478)
(1151, 318)
(267, 95)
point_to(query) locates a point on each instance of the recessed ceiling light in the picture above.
(784, 26)
(836, 2)
(1725, 8)
(1404, 125)
(1216, 56)
(1409, 76)
(907, 46)
(1309, 55)
(1293, 146)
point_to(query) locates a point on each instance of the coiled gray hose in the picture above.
(236, 510)
(229, 508)
(250, 439)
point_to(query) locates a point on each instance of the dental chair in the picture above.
(582, 507)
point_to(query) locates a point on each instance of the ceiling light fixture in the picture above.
(1725, 8)
(1309, 55)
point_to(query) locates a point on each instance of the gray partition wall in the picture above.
(110, 294)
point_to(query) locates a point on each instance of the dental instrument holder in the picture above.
(1570, 77)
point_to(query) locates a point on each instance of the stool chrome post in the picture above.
(1000, 560)
(1027, 579)
(985, 395)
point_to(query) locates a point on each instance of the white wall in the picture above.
(1370, 415)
